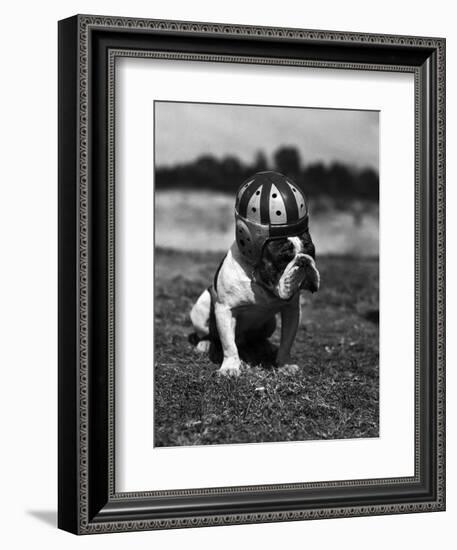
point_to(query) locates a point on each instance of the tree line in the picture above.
(336, 180)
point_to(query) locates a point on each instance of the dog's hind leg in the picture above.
(200, 316)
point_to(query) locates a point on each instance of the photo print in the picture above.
(266, 268)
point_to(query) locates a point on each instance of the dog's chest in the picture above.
(236, 288)
(257, 304)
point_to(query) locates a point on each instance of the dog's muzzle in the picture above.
(292, 278)
(301, 272)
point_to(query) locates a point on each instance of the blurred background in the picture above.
(203, 152)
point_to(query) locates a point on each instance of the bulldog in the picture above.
(270, 262)
(242, 303)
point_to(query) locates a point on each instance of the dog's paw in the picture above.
(203, 346)
(289, 369)
(231, 367)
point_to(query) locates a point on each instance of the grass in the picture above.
(334, 396)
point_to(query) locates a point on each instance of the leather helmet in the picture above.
(268, 206)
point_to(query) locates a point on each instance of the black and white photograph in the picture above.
(224, 273)
(266, 271)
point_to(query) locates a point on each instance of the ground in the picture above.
(335, 395)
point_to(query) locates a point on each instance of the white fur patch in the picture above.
(298, 245)
(291, 279)
(199, 314)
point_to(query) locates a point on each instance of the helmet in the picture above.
(268, 206)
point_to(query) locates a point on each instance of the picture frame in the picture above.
(87, 500)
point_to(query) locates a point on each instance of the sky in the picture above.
(185, 131)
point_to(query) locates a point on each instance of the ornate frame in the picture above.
(88, 47)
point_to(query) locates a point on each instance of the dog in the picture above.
(244, 302)
(261, 276)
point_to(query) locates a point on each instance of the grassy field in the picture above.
(334, 396)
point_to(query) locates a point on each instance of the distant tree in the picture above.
(260, 162)
(314, 179)
(368, 184)
(287, 161)
(232, 173)
(206, 163)
(338, 181)
(206, 172)
(231, 164)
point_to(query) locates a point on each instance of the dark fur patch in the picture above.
(308, 245)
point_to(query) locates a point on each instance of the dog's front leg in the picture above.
(226, 325)
(290, 318)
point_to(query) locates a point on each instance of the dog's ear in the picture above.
(308, 245)
(312, 277)
(311, 281)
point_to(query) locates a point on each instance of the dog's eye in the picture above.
(287, 251)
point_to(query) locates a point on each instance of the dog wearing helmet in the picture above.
(262, 274)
